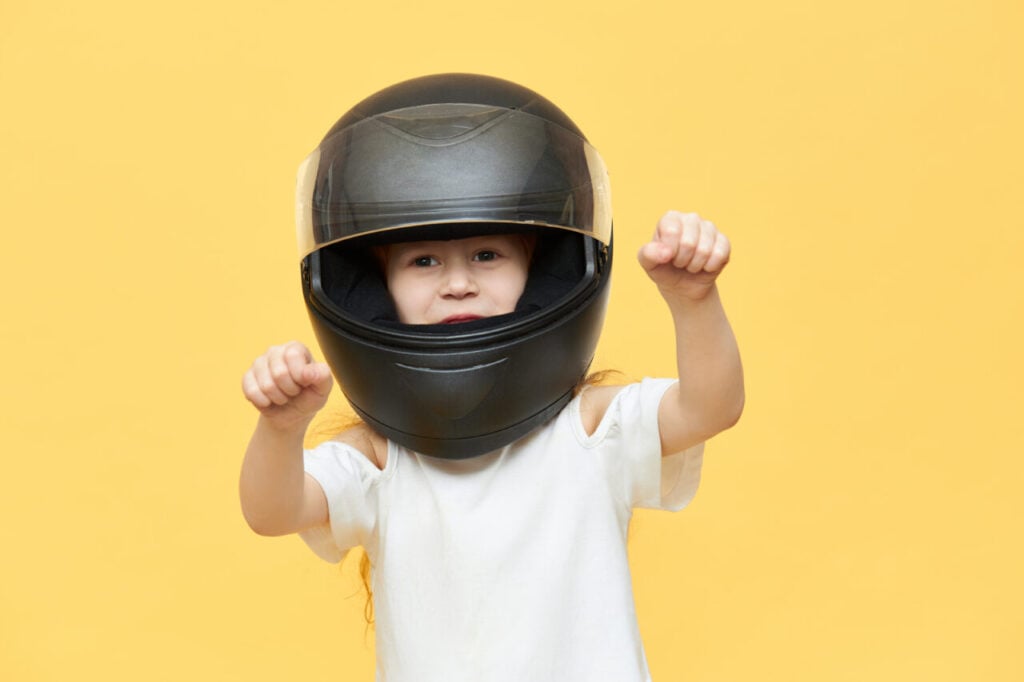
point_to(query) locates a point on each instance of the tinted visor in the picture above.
(450, 163)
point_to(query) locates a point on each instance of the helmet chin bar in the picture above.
(447, 157)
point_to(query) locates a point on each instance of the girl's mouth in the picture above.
(457, 319)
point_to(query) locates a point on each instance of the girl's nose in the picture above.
(459, 282)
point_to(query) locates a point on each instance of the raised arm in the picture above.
(684, 258)
(288, 388)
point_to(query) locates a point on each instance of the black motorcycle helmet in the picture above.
(447, 157)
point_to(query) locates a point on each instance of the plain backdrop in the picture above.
(863, 520)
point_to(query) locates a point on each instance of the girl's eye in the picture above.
(486, 255)
(424, 261)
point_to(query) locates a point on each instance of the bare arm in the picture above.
(684, 259)
(288, 389)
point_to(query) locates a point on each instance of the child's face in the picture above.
(447, 282)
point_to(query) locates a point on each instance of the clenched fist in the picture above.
(286, 385)
(685, 255)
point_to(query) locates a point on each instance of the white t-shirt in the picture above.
(512, 565)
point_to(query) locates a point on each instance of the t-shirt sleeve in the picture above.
(632, 447)
(348, 480)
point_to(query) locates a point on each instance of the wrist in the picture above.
(284, 426)
(691, 296)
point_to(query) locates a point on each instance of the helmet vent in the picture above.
(451, 393)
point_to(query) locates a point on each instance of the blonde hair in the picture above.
(365, 571)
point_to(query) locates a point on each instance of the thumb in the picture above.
(317, 376)
(652, 254)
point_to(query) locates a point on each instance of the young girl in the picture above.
(492, 503)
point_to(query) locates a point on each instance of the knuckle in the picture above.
(670, 221)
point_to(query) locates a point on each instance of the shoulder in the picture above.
(594, 402)
(635, 404)
(371, 444)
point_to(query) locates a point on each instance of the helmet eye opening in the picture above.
(349, 287)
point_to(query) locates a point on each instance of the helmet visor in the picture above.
(450, 163)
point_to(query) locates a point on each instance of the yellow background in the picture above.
(861, 523)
